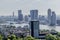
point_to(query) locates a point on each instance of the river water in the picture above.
(57, 28)
(46, 27)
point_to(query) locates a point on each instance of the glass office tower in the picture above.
(34, 27)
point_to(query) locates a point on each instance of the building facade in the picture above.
(20, 15)
(49, 16)
(26, 18)
(34, 28)
(53, 19)
(34, 14)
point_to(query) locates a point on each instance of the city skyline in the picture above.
(8, 6)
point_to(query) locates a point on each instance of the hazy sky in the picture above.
(8, 6)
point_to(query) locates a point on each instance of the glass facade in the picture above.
(34, 28)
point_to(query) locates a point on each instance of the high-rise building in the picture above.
(29, 17)
(26, 18)
(13, 16)
(34, 26)
(53, 19)
(34, 14)
(20, 15)
(49, 16)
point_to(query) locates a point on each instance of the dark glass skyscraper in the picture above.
(20, 15)
(34, 25)
(34, 14)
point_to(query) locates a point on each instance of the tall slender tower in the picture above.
(13, 16)
(49, 16)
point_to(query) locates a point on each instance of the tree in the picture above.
(29, 38)
(12, 37)
(19, 38)
(1, 37)
(58, 34)
(58, 38)
(50, 37)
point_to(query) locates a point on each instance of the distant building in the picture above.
(26, 18)
(34, 14)
(49, 16)
(29, 18)
(53, 19)
(13, 17)
(20, 15)
(34, 25)
(42, 19)
(58, 22)
(13, 14)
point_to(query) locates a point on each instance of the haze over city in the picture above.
(29, 20)
(8, 6)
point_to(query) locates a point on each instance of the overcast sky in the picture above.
(8, 6)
